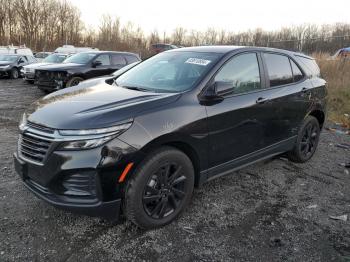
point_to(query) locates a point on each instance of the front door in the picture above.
(237, 124)
(103, 68)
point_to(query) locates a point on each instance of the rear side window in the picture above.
(131, 59)
(297, 74)
(279, 69)
(118, 60)
(310, 65)
(243, 72)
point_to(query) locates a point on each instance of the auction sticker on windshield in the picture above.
(197, 61)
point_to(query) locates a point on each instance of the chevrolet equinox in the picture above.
(136, 145)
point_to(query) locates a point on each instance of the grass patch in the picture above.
(337, 75)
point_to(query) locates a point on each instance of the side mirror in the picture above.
(96, 63)
(216, 92)
(222, 88)
(20, 61)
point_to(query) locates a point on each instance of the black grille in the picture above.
(33, 148)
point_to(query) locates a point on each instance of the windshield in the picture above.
(9, 58)
(81, 58)
(54, 58)
(169, 72)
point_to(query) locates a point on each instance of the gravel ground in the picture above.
(271, 211)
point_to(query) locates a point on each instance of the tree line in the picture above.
(43, 25)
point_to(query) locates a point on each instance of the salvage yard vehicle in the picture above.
(158, 48)
(71, 49)
(80, 67)
(138, 145)
(11, 65)
(29, 71)
(40, 56)
(16, 50)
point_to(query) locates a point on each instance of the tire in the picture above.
(74, 81)
(14, 73)
(307, 141)
(147, 203)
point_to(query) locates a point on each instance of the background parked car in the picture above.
(19, 50)
(10, 65)
(158, 48)
(342, 53)
(40, 56)
(28, 71)
(81, 66)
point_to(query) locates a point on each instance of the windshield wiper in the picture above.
(137, 88)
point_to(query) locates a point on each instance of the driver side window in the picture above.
(242, 72)
(104, 59)
(22, 60)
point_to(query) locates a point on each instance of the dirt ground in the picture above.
(271, 211)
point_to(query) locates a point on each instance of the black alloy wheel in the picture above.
(164, 191)
(307, 141)
(160, 188)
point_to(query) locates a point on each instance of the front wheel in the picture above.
(307, 141)
(14, 74)
(160, 188)
(74, 81)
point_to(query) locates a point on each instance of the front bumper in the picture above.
(4, 72)
(84, 182)
(29, 76)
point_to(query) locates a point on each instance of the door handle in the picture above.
(262, 100)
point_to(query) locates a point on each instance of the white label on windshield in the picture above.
(197, 61)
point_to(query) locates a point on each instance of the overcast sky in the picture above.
(230, 15)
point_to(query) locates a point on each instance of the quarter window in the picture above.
(297, 74)
(278, 66)
(104, 59)
(242, 72)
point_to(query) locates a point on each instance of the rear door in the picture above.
(118, 61)
(287, 94)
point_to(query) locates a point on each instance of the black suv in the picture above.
(80, 67)
(11, 65)
(138, 144)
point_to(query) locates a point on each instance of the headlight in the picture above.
(81, 139)
(5, 67)
(85, 144)
(23, 121)
(100, 131)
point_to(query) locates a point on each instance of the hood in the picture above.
(93, 104)
(5, 63)
(62, 66)
(37, 65)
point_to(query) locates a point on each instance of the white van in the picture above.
(19, 50)
(71, 49)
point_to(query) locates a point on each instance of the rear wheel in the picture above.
(307, 141)
(74, 81)
(14, 74)
(160, 189)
